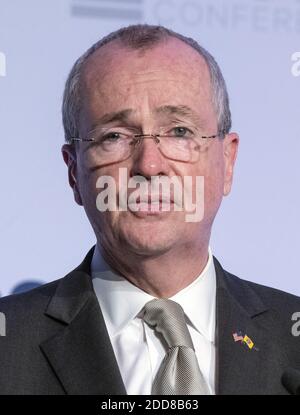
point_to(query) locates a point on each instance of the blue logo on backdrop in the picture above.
(24, 286)
(260, 16)
(113, 9)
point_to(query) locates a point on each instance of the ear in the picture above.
(69, 156)
(230, 147)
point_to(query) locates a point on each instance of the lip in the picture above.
(146, 208)
(155, 199)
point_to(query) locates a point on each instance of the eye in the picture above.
(111, 136)
(183, 132)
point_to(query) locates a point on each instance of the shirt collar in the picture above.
(197, 299)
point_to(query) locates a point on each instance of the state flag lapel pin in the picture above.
(238, 336)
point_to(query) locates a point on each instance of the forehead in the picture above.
(169, 73)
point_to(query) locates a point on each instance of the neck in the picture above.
(161, 275)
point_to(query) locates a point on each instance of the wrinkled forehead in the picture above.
(169, 73)
(169, 59)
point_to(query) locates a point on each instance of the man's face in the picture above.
(171, 74)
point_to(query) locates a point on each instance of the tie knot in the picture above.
(167, 317)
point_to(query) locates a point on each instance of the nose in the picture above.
(147, 160)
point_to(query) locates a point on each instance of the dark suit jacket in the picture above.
(56, 340)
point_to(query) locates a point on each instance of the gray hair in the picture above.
(141, 36)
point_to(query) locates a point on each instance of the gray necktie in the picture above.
(179, 372)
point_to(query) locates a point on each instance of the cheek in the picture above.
(212, 171)
(99, 191)
(213, 189)
(214, 182)
(88, 189)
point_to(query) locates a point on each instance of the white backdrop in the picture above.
(256, 233)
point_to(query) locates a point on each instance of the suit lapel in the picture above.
(82, 357)
(81, 354)
(241, 370)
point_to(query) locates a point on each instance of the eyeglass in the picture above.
(179, 143)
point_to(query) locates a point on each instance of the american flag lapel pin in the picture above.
(238, 336)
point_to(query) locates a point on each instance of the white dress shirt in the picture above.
(138, 350)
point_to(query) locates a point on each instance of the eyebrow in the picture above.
(181, 111)
(165, 110)
(122, 116)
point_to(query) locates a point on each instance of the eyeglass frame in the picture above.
(138, 138)
(152, 136)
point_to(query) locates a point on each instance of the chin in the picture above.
(147, 243)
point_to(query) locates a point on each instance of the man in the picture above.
(149, 310)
